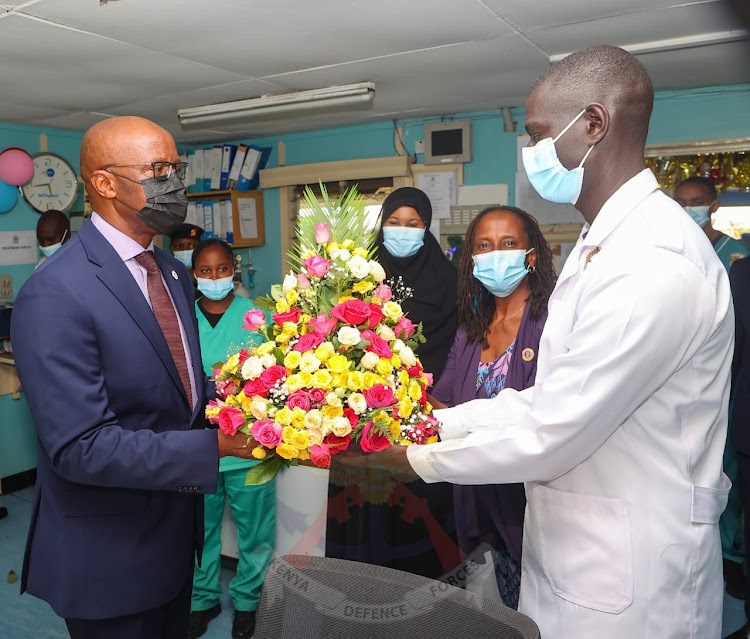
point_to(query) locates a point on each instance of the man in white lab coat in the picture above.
(620, 440)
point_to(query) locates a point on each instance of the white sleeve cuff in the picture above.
(452, 423)
(420, 459)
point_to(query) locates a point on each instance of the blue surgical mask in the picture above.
(402, 241)
(215, 289)
(501, 271)
(186, 257)
(48, 251)
(699, 214)
(546, 173)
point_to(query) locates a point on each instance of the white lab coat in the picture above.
(620, 441)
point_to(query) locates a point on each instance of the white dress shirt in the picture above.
(127, 248)
(620, 440)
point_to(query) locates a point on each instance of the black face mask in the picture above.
(166, 203)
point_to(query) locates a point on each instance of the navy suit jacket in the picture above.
(739, 431)
(123, 460)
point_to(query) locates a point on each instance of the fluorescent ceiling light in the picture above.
(676, 44)
(267, 107)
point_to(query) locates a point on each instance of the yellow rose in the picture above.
(321, 379)
(415, 391)
(284, 416)
(393, 311)
(369, 360)
(361, 251)
(355, 381)
(396, 361)
(286, 451)
(346, 298)
(293, 383)
(384, 366)
(324, 351)
(300, 439)
(291, 361)
(403, 377)
(432, 440)
(405, 442)
(265, 348)
(307, 379)
(314, 419)
(303, 454)
(338, 364)
(370, 380)
(230, 366)
(332, 411)
(212, 411)
(287, 432)
(357, 403)
(259, 452)
(395, 430)
(331, 247)
(232, 400)
(282, 306)
(405, 407)
(402, 392)
(298, 418)
(363, 286)
(309, 363)
(341, 427)
(347, 244)
(292, 296)
(315, 436)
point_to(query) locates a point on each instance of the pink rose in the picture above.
(226, 388)
(404, 329)
(302, 281)
(316, 266)
(308, 342)
(213, 404)
(376, 315)
(337, 444)
(320, 455)
(354, 312)
(291, 315)
(265, 432)
(323, 325)
(244, 354)
(317, 395)
(216, 373)
(383, 292)
(255, 387)
(271, 375)
(230, 419)
(351, 416)
(372, 441)
(322, 234)
(254, 319)
(379, 395)
(377, 344)
(429, 377)
(300, 399)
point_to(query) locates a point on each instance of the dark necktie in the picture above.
(165, 314)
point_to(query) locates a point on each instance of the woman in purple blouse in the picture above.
(505, 279)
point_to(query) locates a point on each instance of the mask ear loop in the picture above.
(573, 121)
(530, 268)
(591, 148)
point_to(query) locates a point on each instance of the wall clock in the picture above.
(54, 185)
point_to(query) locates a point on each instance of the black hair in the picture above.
(476, 305)
(701, 181)
(209, 244)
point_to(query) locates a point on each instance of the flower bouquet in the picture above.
(338, 362)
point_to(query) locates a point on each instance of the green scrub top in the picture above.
(730, 250)
(217, 343)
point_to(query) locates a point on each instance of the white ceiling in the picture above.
(70, 63)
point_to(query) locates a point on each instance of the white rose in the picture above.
(398, 345)
(252, 368)
(376, 271)
(332, 399)
(309, 363)
(344, 255)
(348, 336)
(386, 333)
(357, 403)
(369, 360)
(267, 361)
(327, 425)
(259, 408)
(313, 419)
(290, 282)
(358, 266)
(315, 435)
(341, 426)
(407, 356)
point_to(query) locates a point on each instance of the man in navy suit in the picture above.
(106, 345)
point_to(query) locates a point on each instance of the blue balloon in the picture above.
(8, 196)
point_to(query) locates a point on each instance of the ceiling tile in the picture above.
(79, 121)
(24, 114)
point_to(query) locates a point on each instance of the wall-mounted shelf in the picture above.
(248, 218)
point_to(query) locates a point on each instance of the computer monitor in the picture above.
(447, 142)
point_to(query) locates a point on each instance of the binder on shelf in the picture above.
(208, 219)
(192, 215)
(255, 160)
(190, 174)
(227, 155)
(216, 154)
(207, 155)
(234, 172)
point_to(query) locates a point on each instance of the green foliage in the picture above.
(263, 472)
(264, 304)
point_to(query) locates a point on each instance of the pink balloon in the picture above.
(16, 166)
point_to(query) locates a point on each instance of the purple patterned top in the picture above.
(492, 374)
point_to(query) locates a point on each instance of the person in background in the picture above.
(506, 276)
(697, 195)
(376, 517)
(182, 243)
(52, 231)
(220, 317)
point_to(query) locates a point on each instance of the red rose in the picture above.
(337, 444)
(300, 399)
(351, 416)
(320, 455)
(271, 375)
(244, 354)
(354, 312)
(376, 315)
(372, 441)
(377, 344)
(255, 387)
(230, 419)
(308, 342)
(415, 371)
(290, 316)
(379, 395)
(317, 395)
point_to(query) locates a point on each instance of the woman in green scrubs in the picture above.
(220, 318)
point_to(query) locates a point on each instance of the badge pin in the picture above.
(174, 274)
(590, 255)
(527, 354)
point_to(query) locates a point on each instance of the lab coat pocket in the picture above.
(586, 547)
(709, 503)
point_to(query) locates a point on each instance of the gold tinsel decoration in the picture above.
(728, 171)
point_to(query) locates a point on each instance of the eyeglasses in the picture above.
(162, 170)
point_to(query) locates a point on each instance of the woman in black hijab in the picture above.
(373, 516)
(406, 248)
